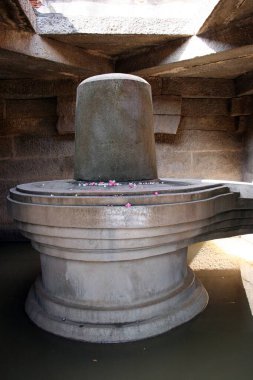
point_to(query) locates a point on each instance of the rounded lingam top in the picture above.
(113, 76)
(114, 129)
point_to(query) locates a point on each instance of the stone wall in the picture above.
(31, 149)
(195, 134)
(248, 157)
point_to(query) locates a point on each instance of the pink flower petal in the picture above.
(128, 205)
(112, 182)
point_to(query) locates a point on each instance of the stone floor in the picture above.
(216, 345)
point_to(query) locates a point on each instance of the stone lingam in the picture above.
(113, 241)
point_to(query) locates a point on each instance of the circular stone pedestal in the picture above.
(113, 255)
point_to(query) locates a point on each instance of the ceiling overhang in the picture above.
(45, 43)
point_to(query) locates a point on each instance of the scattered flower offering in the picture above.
(128, 205)
(156, 193)
(112, 182)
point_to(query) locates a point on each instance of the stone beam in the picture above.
(188, 56)
(239, 32)
(17, 14)
(224, 13)
(244, 84)
(51, 55)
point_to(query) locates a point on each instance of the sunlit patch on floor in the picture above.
(234, 253)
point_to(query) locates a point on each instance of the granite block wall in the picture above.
(31, 149)
(206, 142)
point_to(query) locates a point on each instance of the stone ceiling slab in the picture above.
(147, 44)
(30, 52)
(193, 56)
(227, 12)
(17, 14)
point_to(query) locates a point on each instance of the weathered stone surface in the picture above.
(136, 247)
(247, 279)
(130, 233)
(244, 84)
(167, 105)
(66, 106)
(247, 166)
(137, 26)
(220, 164)
(5, 218)
(124, 36)
(166, 124)
(29, 88)
(114, 129)
(17, 14)
(207, 164)
(204, 107)
(209, 123)
(198, 87)
(172, 164)
(198, 140)
(6, 147)
(32, 108)
(2, 108)
(238, 33)
(5, 186)
(36, 168)
(248, 155)
(241, 124)
(155, 237)
(8, 230)
(28, 126)
(37, 146)
(242, 106)
(29, 116)
(156, 85)
(191, 57)
(217, 154)
(30, 55)
(226, 12)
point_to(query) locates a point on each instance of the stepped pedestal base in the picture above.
(112, 273)
(72, 320)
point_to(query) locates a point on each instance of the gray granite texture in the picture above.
(114, 129)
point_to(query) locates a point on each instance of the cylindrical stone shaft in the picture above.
(114, 129)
